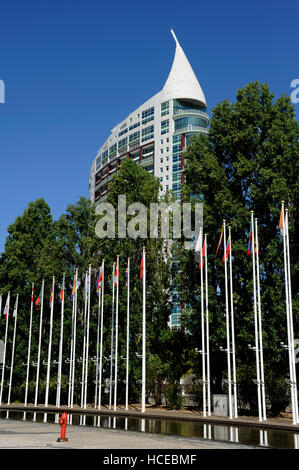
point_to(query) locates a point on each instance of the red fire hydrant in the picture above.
(63, 423)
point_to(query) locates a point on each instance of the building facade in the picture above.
(155, 136)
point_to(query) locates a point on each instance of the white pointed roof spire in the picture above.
(182, 82)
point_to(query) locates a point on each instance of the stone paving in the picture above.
(33, 435)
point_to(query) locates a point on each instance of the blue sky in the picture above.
(74, 69)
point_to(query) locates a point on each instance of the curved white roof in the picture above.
(182, 82)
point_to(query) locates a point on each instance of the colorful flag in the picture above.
(203, 255)
(250, 245)
(5, 311)
(51, 297)
(281, 222)
(99, 280)
(228, 247)
(127, 275)
(220, 243)
(37, 302)
(61, 296)
(141, 268)
(32, 294)
(116, 274)
(75, 285)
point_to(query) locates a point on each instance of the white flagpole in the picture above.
(116, 336)
(233, 327)
(101, 340)
(295, 409)
(227, 328)
(112, 342)
(263, 397)
(97, 348)
(74, 347)
(87, 339)
(15, 314)
(143, 335)
(128, 336)
(84, 346)
(60, 349)
(29, 351)
(5, 344)
(71, 352)
(202, 336)
(39, 347)
(288, 314)
(49, 350)
(207, 330)
(258, 380)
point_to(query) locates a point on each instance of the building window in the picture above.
(122, 132)
(147, 133)
(165, 108)
(161, 179)
(137, 124)
(161, 160)
(165, 126)
(133, 137)
(148, 115)
(122, 143)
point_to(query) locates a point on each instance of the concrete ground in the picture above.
(32, 435)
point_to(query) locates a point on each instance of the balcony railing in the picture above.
(191, 128)
(188, 111)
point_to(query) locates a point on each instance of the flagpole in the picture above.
(5, 344)
(207, 330)
(84, 345)
(29, 351)
(143, 335)
(227, 326)
(233, 327)
(97, 349)
(128, 336)
(60, 350)
(72, 340)
(263, 397)
(15, 314)
(74, 346)
(295, 409)
(101, 339)
(87, 339)
(49, 349)
(203, 337)
(116, 336)
(288, 314)
(258, 380)
(112, 339)
(39, 347)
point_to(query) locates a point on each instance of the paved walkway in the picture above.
(28, 435)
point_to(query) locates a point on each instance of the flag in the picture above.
(32, 293)
(250, 247)
(141, 268)
(37, 302)
(197, 247)
(127, 275)
(225, 255)
(116, 274)
(75, 285)
(99, 280)
(61, 296)
(15, 309)
(281, 222)
(51, 297)
(220, 243)
(5, 311)
(203, 255)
